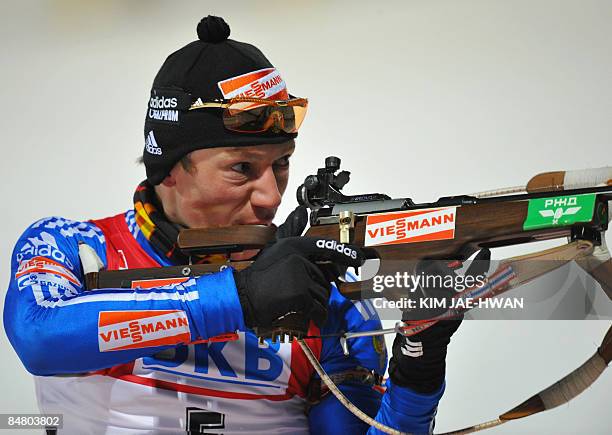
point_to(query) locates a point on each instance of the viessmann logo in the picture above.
(264, 83)
(120, 330)
(411, 226)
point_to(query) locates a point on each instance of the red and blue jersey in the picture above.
(122, 361)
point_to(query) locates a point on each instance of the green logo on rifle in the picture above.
(559, 211)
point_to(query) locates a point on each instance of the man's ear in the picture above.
(182, 166)
(170, 180)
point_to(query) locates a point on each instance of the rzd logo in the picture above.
(560, 211)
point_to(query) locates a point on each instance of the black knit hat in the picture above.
(211, 67)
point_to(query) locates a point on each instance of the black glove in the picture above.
(294, 226)
(295, 223)
(419, 361)
(285, 279)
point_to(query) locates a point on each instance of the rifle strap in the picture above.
(531, 266)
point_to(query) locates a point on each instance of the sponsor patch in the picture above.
(120, 330)
(165, 105)
(410, 226)
(264, 83)
(57, 285)
(559, 211)
(45, 265)
(237, 368)
(164, 115)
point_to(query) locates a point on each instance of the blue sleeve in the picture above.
(407, 411)
(330, 416)
(367, 352)
(56, 327)
(399, 408)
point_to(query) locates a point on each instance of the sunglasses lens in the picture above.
(256, 117)
(299, 113)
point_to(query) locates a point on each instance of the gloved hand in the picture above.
(295, 223)
(284, 279)
(294, 226)
(419, 361)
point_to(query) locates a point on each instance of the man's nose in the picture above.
(265, 193)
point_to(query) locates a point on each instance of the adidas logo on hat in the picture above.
(151, 145)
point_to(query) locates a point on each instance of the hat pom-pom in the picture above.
(213, 29)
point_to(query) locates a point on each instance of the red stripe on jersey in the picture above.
(201, 391)
(301, 369)
(122, 250)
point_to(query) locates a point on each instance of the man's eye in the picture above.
(242, 167)
(283, 162)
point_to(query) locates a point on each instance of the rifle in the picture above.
(555, 205)
(572, 205)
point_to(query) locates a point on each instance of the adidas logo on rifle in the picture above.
(151, 145)
(335, 246)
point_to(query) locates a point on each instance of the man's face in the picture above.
(230, 186)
